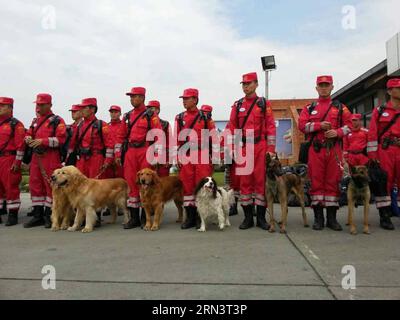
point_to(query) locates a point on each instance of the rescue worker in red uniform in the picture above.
(162, 168)
(45, 136)
(137, 122)
(206, 112)
(253, 114)
(355, 143)
(12, 145)
(326, 122)
(384, 147)
(93, 142)
(117, 129)
(76, 115)
(232, 180)
(191, 173)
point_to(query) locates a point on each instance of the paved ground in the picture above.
(112, 263)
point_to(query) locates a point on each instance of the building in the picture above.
(365, 92)
(286, 114)
(369, 90)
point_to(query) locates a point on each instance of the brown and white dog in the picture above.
(213, 203)
(155, 192)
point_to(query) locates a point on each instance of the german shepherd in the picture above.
(279, 185)
(358, 190)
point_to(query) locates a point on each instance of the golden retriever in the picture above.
(87, 196)
(155, 192)
(62, 214)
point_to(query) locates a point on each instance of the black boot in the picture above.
(319, 220)
(142, 218)
(106, 213)
(331, 222)
(134, 222)
(12, 218)
(261, 221)
(248, 221)
(233, 210)
(98, 221)
(47, 218)
(385, 221)
(254, 210)
(198, 220)
(3, 209)
(190, 218)
(37, 220)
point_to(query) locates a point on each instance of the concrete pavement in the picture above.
(112, 263)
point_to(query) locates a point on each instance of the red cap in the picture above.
(249, 77)
(206, 108)
(154, 104)
(189, 93)
(115, 108)
(89, 102)
(5, 100)
(137, 90)
(393, 83)
(356, 116)
(325, 79)
(76, 107)
(43, 98)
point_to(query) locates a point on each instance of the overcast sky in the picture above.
(75, 49)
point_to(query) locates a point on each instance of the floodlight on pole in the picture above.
(268, 64)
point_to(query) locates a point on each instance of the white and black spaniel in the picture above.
(213, 203)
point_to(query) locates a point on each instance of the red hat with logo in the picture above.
(89, 102)
(356, 116)
(325, 79)
(189, 93)
(153, 104)
(115, 108)
(43, 98)
(6, 100)
(393, 83)
(75, 107)
(137, 91)
(206, 108)
(249, 77)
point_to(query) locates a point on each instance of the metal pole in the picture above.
(266, 84)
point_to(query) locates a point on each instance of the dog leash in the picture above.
(42, 170)
(338, 162)
(101, 172)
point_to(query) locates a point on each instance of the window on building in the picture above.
(375, 100)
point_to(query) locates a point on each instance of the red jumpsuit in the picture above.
(163, 169)
(192, 172)
(135, 157)
(49, 158)
(231, 178)
(118, 131)
(324, 167)
(90, 164)
(354, 145)
(390, 158)
(11, 152)
(252, 186)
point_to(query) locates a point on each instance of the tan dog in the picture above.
(155, 192)
(63, 214)
(280, 185)
(358, 190)
(89, 195)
